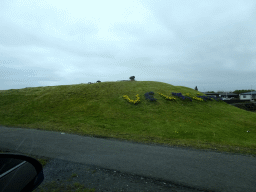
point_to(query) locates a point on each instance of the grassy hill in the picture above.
(100, 110)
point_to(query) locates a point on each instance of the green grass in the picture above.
(100, 110)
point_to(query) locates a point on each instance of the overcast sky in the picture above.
(203, 43)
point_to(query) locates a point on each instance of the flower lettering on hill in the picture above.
(149, 96)
(167, 97)
(132, 101)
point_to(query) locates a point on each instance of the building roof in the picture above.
(229, 94)
(249, 93)
(210, 93)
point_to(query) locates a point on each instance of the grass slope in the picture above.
(100, 110)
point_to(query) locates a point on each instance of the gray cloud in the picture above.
(209, 44)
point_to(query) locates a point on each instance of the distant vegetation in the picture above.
(236, 91)
(242, 91)
(101, 110)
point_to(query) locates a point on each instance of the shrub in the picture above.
(132, 78)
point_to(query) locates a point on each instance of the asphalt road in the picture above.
(198, 169)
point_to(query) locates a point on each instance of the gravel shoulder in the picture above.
(65, 173)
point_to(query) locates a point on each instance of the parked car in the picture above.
(19, 173)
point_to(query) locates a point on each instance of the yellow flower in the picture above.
(132, 101)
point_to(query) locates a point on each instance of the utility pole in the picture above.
(251, 92)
